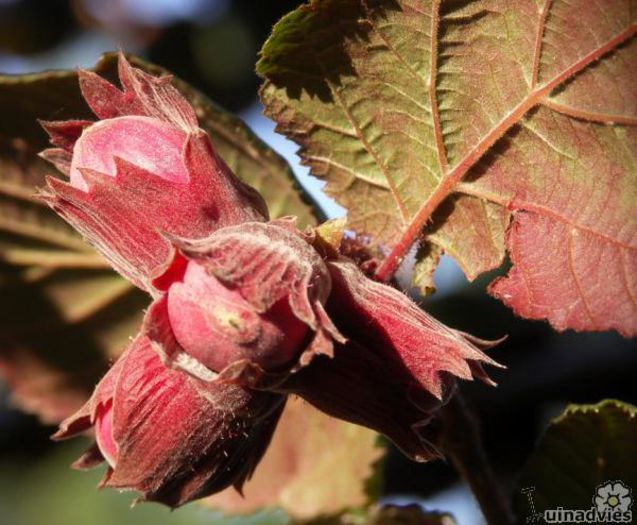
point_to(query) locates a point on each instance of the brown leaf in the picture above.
(63, 312)
(297, 472)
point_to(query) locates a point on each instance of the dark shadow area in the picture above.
(545, 371)
(323, 37)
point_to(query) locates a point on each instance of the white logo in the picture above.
(613, 496)
(612, 503)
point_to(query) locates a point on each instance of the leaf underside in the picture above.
(63, 312)
(486, 126)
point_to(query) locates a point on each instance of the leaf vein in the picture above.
(537, 53)
(335, 164)
(392, 188)
(441, 152)
(578, 285)
(592, 116)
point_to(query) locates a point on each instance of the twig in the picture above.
(460, 440)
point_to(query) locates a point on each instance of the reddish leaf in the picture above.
(454, 119)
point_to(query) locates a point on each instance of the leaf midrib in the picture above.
(449, 183)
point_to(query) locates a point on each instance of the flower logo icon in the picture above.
(613, 496)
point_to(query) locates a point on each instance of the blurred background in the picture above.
(213, 45)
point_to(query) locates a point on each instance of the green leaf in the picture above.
(582, 449)
(63, 312)
(483, 125)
